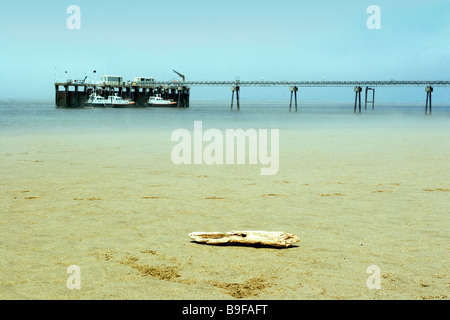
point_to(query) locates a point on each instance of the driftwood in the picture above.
(265, 238)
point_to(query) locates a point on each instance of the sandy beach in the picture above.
(116, 206)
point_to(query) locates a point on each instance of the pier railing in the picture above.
(263, 83)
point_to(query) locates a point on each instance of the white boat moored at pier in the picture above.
(158, 101)
(116, 102)
(96, 100)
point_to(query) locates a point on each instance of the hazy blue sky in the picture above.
(222, 40)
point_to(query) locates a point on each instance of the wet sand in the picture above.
(117, 207)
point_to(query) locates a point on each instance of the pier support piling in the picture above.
(66, 88)
(56, 95)
(180, 90)
(293, 92)
(358, 90)
(428, 90)
(186, 97)
(233, 90)
(373, 98)
(76, 97)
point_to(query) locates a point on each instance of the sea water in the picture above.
(43, 116)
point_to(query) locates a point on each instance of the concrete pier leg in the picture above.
(295, 96)
(135, 94)
(77, 98)
(373, 98)
(357, 90)
(365, 103)
(180, 90)
(66, 88)
(56, 95)
(233, 90)
(367, 97)
(232, 97)
(188, 93)
(359, 97)
(144, 97)
(430, 99)
(428, 90)
(293, 93)
(290, 103)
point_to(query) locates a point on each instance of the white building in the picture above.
(143, 81)
(112, 80)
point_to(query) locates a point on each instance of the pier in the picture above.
(75, 94)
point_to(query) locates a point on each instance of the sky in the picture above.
(225, 40)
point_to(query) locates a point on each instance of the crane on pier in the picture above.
(181, 75)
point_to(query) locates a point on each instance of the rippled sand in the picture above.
(116, 206)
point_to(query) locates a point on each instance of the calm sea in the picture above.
(27, 117)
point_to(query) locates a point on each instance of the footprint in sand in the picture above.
(437, 189)
(148, 251)
(250, 288)
(167, 273)
(382, 191)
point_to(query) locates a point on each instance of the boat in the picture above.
(117, 102)
(95, 100)
(157, 101)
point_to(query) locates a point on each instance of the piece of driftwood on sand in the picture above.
(264, 238)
